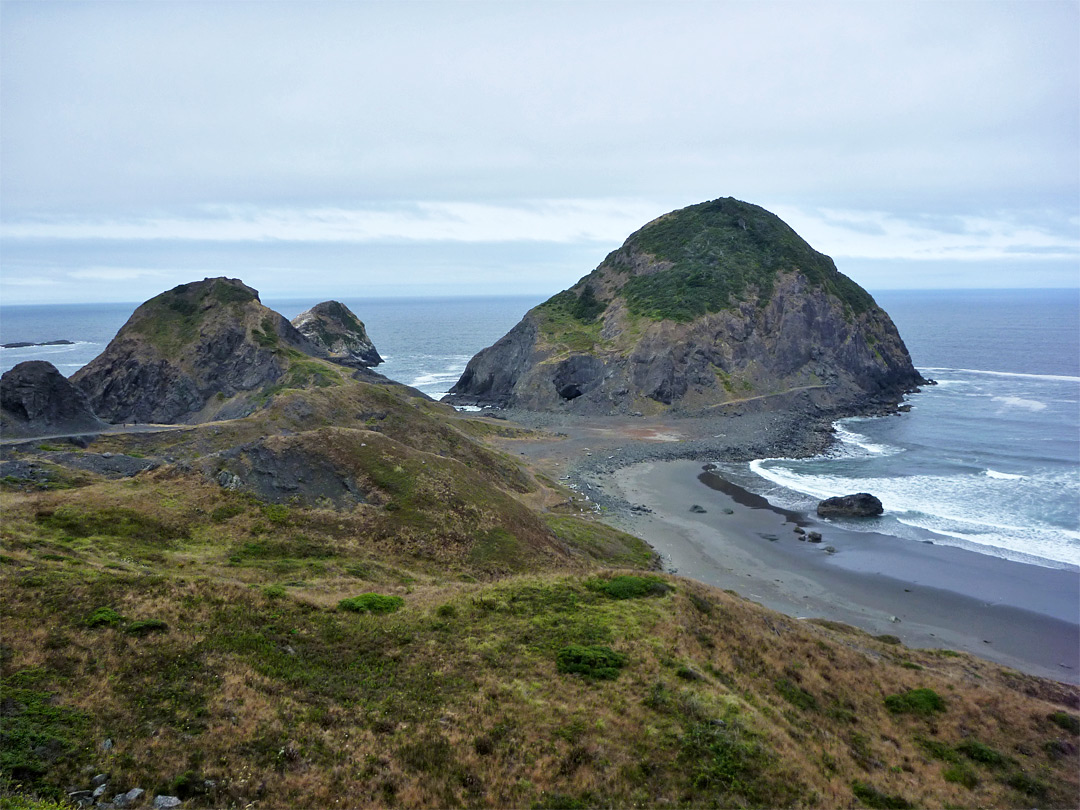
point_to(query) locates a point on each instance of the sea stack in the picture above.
(200, 351)
(37, 400)
(719, 303)
(332, 326)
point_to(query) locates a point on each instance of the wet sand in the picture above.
(932, 596)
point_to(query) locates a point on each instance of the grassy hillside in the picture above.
(425, 635)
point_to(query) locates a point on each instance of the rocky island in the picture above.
(713, 304)
(316, 586)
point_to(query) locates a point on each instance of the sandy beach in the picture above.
(932, 596)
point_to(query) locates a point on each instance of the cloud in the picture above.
(967, 238)
(113, 274)
(560, 221)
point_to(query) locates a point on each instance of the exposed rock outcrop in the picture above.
(201, 351)
(717, 303)
(37, 400)
(333, 327)
(861, 504)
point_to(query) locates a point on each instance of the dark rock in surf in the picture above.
(861, 504)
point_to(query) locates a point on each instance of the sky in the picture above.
(352, 149)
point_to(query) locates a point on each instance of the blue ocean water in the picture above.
(988, 459)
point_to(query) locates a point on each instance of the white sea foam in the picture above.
(988, 508)
(856, 444)
(1055, 377)
(1020, 402)
(1001, 475)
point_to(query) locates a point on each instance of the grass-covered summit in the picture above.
(710, 304)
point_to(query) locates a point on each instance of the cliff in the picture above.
(37, 400)
(717, 303)
(201, 351)
(334, 328)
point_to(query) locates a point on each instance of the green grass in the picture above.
(869, 796)
(719, 253)
(371, 603)
(1069, 722)
(629, 586)
(923, 702)
(593, 662)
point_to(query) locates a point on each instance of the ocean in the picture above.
(988, 459)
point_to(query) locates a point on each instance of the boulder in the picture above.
(333, 327)
(37, 400)
(861, 504)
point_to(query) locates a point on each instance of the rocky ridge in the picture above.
(201, 351)
(717, 304)
(334, 328)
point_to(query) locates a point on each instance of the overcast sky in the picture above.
(378, 148)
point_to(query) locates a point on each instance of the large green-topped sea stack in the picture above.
(714, 304)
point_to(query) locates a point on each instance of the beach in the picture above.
(930, 596)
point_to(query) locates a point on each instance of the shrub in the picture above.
(629, 586)
(223, 513)
(916, 701)
(796, 695)
(870, 796)
(961, 775)
(594, 662)
(141, 627)
(103, 617)
(980, 752)
(371, 603)
(1069, 722)
(274, 592)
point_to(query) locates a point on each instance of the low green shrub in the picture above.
(1069, 722)
(961, 774)
(594, 662)
(870, 796)
(371, 603)
(629, 586)
(141, 627)
(223, 513)
(796, 695)
(923, 702)
(981, 753)
(103, 617)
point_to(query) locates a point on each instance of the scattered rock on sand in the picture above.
(698, 509)
(814, 537)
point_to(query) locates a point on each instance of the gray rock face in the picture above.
(333, 327)
(632, 336)
(37, 400)
(861, 504)
(198, 352)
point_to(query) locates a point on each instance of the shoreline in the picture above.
(930, 596)
(1017, 614)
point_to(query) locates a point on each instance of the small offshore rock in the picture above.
(814, 537)
(166, 802)
(799, 530)
(861, 504)
(729, 511)
(830, 549)
(697, 509)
